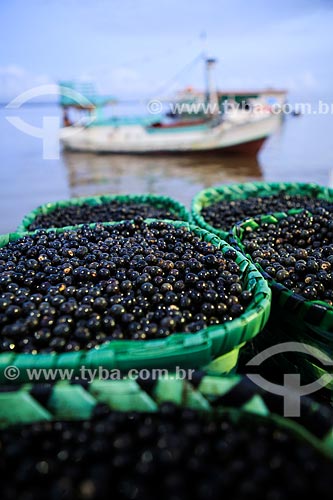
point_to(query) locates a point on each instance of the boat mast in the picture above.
(212, 97)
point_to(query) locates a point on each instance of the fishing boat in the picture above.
(206, 128)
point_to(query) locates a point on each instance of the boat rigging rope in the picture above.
(174, 79)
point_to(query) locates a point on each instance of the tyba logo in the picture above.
(50, 125)
(291, 390)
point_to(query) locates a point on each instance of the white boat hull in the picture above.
(231, 134)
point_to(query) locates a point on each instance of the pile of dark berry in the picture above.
(225, 214)
(115, 210)
(175, 454)
(77, 289)
(297, 252)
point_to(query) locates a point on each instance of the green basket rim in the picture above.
(238, 190)
(219, 336)
(44, 209)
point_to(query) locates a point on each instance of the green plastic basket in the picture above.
(293, 318)
(248, 190)
(217, 346)
(315, 313)
(159, 201)
(206, 393)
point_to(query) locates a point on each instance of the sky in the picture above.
(134, 48)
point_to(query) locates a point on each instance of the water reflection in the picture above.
(178, 176)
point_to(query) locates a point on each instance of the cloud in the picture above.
(121, 81)
(12, 70)
(15, 79)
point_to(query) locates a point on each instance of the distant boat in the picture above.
(240, 128)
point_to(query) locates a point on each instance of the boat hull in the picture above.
(249, 148)
(245, 137)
